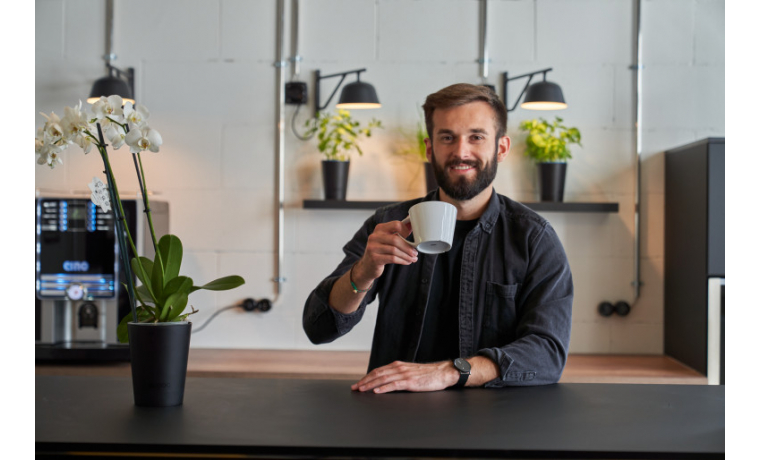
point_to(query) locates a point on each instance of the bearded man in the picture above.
(493, 311)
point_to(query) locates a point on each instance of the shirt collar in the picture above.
(489, 216)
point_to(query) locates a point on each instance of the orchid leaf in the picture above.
(180, 284)
(177, 307)
(122, 334)
(143, 268)
(142, 293)
(157, 281)
(170, 247)
(221, 284)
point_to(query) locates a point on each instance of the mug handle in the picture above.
(412, 244)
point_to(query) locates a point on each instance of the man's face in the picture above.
(464, 150)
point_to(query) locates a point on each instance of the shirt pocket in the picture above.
(500, 314)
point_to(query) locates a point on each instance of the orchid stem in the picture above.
(144, 190)
(121, 226)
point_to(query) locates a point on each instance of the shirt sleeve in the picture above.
(321, 322)
(539, 354)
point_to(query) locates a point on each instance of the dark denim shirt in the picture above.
(515, 303)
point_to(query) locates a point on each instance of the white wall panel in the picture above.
(337, 30)
(169, 29)
(249, 26)
(584, 31)
(428, 30)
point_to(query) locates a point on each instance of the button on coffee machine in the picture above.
(78, 281)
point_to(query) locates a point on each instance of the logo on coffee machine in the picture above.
(76, 266)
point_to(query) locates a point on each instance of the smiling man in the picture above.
(494, 311)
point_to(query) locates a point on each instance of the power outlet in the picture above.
(295, 92)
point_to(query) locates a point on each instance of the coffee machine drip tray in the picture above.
(81, 352)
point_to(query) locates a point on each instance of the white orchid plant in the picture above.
(163, 295)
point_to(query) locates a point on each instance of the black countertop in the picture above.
(325, 418)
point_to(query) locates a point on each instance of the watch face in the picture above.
(462, 365)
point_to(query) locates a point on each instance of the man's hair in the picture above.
(464, 93)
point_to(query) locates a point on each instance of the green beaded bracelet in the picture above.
(351, 279)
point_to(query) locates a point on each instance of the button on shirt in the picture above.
(515, 305)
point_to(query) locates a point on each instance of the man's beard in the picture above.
(462, 189)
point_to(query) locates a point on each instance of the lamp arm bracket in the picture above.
(342, 74)
(335, 90)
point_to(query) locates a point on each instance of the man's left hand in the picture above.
(399, 376)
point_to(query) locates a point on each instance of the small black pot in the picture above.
(430, 182)
(159, 362)
(551, 178)
(335, 179)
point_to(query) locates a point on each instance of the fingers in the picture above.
(399, 376)
(386, 244)
(390, 377)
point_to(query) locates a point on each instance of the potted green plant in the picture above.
(156, 329)
(547, 145)
(337, 136)
(414, 147)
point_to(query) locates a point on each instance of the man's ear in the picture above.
(428, 149)
(503, 149)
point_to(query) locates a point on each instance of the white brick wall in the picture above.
(204, 68)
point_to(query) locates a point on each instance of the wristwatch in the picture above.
(463, 366)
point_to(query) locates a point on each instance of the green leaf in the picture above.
(142, 268)
(222, 284)
(173, 301)
(142, 293)
(170, 247)
(122, 334)
(157, 281)
(180, 284)
(177, 307)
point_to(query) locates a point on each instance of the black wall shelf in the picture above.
(538, 207)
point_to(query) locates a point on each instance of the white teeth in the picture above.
(461, 167)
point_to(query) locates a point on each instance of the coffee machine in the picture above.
(78, 291)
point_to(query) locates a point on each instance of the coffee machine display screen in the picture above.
(76, 245)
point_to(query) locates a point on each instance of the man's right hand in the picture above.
(385, 245)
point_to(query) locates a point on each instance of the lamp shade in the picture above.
(108, 86)
(358, 95)
(544, 95)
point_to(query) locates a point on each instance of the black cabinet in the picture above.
(694, 252)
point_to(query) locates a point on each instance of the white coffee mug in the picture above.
(433, 224)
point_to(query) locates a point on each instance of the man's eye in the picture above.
(446, 138)
(478, 138)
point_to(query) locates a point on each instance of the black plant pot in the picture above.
(552, 181)
(159, 362)
(335, 179)
(430, 182)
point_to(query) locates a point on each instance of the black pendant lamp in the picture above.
(358, 95)
(114, 84)
(544, 95)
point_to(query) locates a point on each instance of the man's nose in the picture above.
(463, 148)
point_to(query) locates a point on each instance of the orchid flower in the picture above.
(49, 154)
(52, 126)
(145, 138)
(107, 107)
(136, 116)
(84, 141)
(115, 135)
(74, 122)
